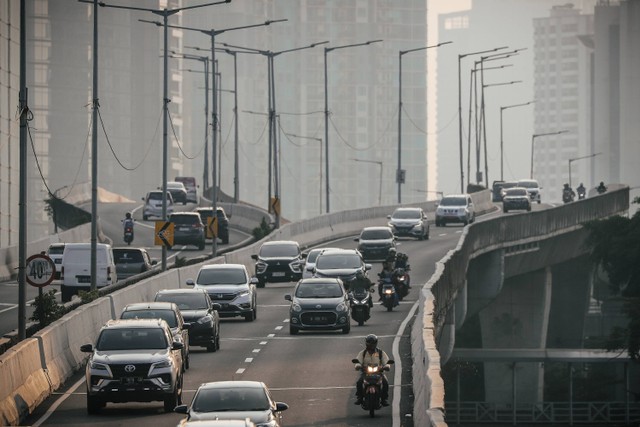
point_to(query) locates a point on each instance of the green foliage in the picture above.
(47, 309)
(180, 261)
(88, 296)
(263, 230)
(615, 246)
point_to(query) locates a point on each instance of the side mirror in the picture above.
(186, 326)
(143, 199)
(310, 268)
(254, 280)
(254, 256)
(281, 406)
(368, 267)
(355, 361)
(303, 255)
(86, 348)
(177, 346)
(154, 261)
(181, 409)
(190, 282)
(388, 216)
(357, 239)
(216, 306)
(288, 297)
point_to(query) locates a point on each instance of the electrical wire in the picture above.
(173, 129)
(115, 156)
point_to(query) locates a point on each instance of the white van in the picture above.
(76, 268)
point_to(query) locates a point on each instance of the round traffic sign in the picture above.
(40, 270)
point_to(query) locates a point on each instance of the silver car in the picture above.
(458, 208)
(153, 205)
(409, 222)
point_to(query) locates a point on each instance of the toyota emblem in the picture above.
(318, 306)
(130, 368)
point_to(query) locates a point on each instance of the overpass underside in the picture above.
(528, 328)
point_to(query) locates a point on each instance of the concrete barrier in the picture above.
(23, 382)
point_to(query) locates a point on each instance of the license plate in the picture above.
(183, 228)
(84, 279)
(319, 319)
(131, 380)
(278, 274)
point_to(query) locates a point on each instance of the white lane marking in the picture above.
(14, 306)
(256, 350)
(248, 360)
(285, 321)
(278, 327)
(263, 342)
(240, 371)
(271, 335)
(58, 402)
(397, 374)
(6, 303)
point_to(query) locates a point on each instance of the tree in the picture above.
(615, 246)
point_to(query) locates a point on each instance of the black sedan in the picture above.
(197, 310)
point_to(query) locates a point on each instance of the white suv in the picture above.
(532, 188)
(455, 208)
(153, 205)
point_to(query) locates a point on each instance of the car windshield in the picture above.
(313, 254)
(56, 250)
(168, 316)
(185, 219)
(230, 399)
(406, 214)
(453, 201)
(528, 184)
(155, 196)
(376, 234)
(336, 261)
(319, 290)
(516, 192)
(222, 276)
(131, 339)
(127, 256)
(195, 301)
(279, 250)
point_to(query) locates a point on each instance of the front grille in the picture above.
(272, 268)
(318, 318)
(221, 297)
(118, 371)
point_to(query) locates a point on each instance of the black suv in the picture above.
(374, 243)
(341, 264)
(279, 261)
(134, 361)
(188, 229)
(223, 221)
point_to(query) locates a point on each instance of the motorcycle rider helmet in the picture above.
(392, 252)
(371, 341)
(128, 215)
(359, 274)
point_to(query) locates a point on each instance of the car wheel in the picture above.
(66, 294)
(506, 210)
(250, 316)
(293, 330)
(529, 208)
(171, 401)
(211, 347)
(427, 236)
(201, 245)
(94, 404)
(346, 329)
(217, 342)
(186, 361)
(261, 283)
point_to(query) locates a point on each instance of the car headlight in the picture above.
(295, 266)
(162, 364)
(98, 366)
(295, 307)
(205, 320)
(261, 267)
(243, 294)
(271, 423)
(341, 308)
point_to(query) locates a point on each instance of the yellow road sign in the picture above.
(212, 227)
(164, 234)
(274, 205)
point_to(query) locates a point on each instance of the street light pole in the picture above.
(537, 135)
(165, 13)
(379, 163)
(506, 107)
(326, 112)
(460, 56)
(579, 158)
(399, 175)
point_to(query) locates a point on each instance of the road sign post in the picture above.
(41, 270)
(212, 227)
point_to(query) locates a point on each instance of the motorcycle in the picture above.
(359, 300)
(567, 196)
(389, 294)
(372, 386)
(581, 194)
(402, 281)
(128, 233)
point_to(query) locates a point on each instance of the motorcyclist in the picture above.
(360, 281)
(128, 222)
(581, 191)
(372, 355)
(568, 192)
(386, 273)
(601, 188)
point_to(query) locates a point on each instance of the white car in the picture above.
(457, 208)
(153, 205)
(532, 188)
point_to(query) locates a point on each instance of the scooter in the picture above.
(128, 234)
(372, 386)
(389, 294)
(402, 282)
(360, 299)
(567, 196)
(581, 194)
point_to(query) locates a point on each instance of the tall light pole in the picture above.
(460, 57)
(319, 140)
(579, 158)
(484, 127)
(506, 107)
(214, 96)
(165, 13)
(533, 138)
(379, 163)
(326, 112)
(400, 178)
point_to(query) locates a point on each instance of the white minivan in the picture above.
(76, 268)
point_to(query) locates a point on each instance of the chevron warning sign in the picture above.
(164, 234)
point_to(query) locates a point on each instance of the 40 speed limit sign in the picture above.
(40, 270)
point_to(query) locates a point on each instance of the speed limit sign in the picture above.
(40, 270)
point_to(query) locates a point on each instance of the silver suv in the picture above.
(409, 222)
(455, 208)
(134, 361)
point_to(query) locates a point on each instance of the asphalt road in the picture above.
(312, 372)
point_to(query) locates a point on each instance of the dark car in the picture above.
(516, 198)
(496, 195)
(178, 191)
(279, 261)
(319, 304)
(199, 311)
(188, 229)
(231, 287)
(232, 400)
(341, 264)
(131, 261)
(505, 186)
(223, 221)
(374, 243)
(409, 222)
(133, 361)
(168, 312)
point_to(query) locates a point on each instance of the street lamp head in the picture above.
(157, 23)
(374, 41)
(273, 21)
